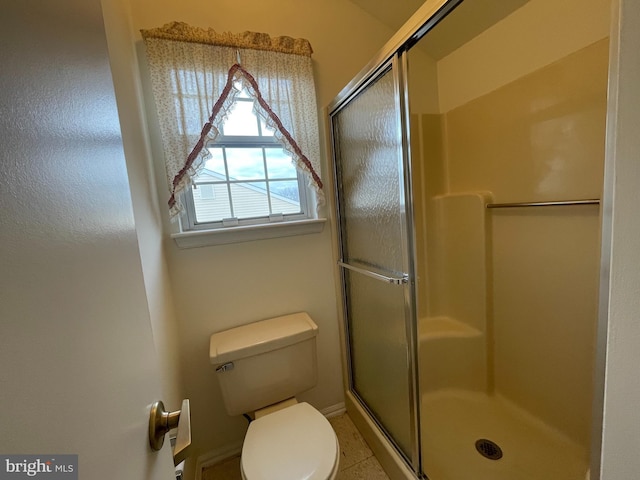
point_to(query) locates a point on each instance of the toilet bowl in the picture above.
(294, 443)
(261, 367)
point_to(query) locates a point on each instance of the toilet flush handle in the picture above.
(225, 367)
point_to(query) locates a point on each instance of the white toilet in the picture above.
(261, 367)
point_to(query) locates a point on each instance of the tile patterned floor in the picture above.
(357, 462)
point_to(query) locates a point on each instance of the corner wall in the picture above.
(522, 109)
(619, 355)
(540, 33)
(145, 204)
(541, 138)
(219, 287)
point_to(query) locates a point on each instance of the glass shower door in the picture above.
(370, 176)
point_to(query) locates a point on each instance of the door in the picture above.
(78, 370)
(377, 278)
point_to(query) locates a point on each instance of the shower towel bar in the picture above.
(377, 276)
(592, 201)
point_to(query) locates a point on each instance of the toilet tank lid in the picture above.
(260, 337)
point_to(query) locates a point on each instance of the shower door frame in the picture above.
(393, 55)
(393, 66)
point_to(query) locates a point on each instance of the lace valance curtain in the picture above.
(193, 76)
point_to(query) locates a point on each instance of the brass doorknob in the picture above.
(161, 421)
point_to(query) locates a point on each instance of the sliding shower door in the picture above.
(376, 272)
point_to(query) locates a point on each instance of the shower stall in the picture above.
(468, 170)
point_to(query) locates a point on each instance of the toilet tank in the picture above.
(265, 362)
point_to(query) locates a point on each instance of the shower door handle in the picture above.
(396, 280)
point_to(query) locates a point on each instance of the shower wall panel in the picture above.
(454, 336)
(541, 138)
(428, 180)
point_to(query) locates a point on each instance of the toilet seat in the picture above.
(294, 443)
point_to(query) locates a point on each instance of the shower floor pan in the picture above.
(453, 421)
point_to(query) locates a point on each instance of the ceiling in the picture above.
(392, 13)
(468, 20)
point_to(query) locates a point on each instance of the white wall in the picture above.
(620, 301)
(78, 369)
(145, 203)
(220, 287)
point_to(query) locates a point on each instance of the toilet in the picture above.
(261, 367)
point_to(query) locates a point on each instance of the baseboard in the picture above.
(334, 410)
(220, 454)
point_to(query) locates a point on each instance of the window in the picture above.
(249, 178)
(228, 176)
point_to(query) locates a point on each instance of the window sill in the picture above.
(248, 233)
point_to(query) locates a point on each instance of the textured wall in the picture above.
(77, 363)
(620, 299)
(145, 203)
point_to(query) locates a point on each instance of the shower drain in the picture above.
(488, 449)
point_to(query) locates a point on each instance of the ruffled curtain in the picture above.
(193, 76)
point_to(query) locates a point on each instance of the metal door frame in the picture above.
(393, 56)
(393, 66)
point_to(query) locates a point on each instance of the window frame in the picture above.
(193, 234)
(188, 217)
(261, 141)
